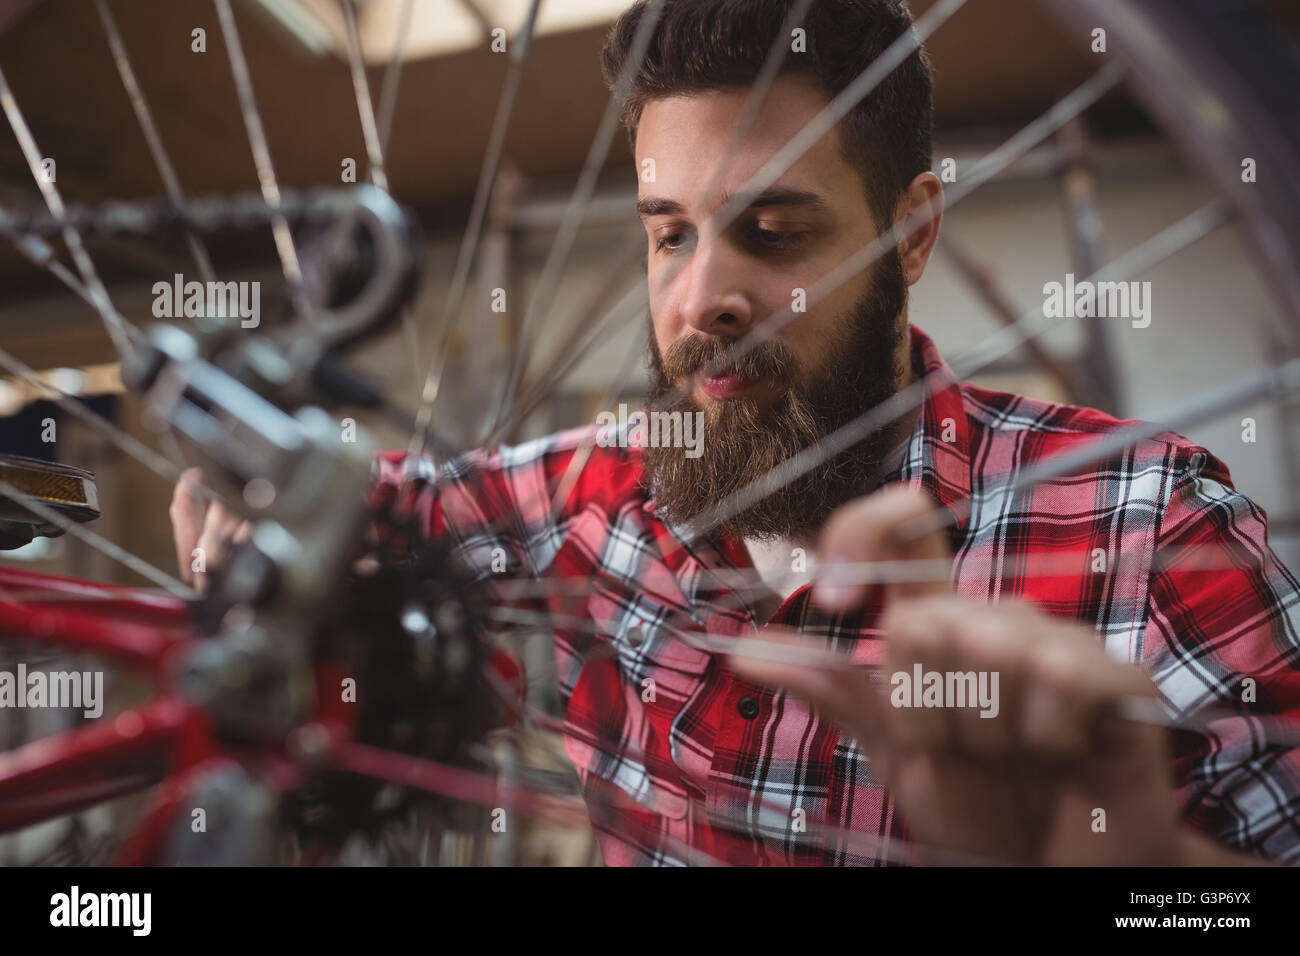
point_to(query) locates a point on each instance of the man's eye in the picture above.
(779, 239)
(670, 242)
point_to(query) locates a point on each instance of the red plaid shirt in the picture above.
(700, 759)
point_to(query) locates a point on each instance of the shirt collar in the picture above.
(938, 458)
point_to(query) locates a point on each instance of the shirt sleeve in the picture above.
(496, 506)
(1221, 645)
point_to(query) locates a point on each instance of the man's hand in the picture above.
(203, 530)
(1055, 777)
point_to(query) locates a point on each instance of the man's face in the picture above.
(841, 356)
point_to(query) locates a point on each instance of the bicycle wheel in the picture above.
(1214, 76)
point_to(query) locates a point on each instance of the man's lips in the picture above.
(726, 386)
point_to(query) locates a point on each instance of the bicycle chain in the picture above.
(207, 214)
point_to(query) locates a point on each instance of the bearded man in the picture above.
(688, 742)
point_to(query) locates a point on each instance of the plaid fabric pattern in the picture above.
(677, 755)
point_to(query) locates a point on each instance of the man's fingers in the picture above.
(875, 528)
(962, 679)
(1072, 695)
(221, 529)
(188, 510)
(202, 529)
(1011, 678)
(918, 645)
(991, 650)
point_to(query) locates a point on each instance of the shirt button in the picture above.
(748, 708)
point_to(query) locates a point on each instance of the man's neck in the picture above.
(784, 565)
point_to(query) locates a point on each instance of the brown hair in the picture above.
(700, 45)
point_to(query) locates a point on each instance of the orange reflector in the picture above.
(57, 489)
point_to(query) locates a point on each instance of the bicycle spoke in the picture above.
(749, 112)
(903, 46)
(42, 255)
(896, 571)
(284, 244)
(989, 166)
(879, 846)
(166, 170)
(633, 303)
(696, 639)
(1243, 391)
(375, 148)
(575, 211)
(1033, 323)
(1131, 708)
(55, 596)
(578, 463)
(74, 406)
(118, 330)
(755, 816)
(1030, 135)
(147, 126)
(393, 75)
(506, 512)
(519, 51)
(103, 545)
(543, 385)
(369, 129)
(476, 788)
(758, 92)
(894, 55)
(127, 443)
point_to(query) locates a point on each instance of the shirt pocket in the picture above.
(633, 686)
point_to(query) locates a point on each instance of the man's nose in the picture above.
(715, 302)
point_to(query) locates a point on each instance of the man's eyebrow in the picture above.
(783, 196)
(658, 206)
(775, 196)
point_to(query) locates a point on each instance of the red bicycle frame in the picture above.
(160, 741)
(171, 741)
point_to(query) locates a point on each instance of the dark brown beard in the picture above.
(745, 438)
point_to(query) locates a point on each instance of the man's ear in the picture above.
(919, 211)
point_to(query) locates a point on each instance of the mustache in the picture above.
(770, 360)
